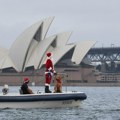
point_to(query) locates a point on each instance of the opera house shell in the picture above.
(29, 50)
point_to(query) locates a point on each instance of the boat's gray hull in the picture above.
(44, 100)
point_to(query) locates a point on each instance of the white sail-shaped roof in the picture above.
(59, 49)
(46, 24)
(25, 43)
(38, 38)
(39, 52)
(5, 61)
(81, 50)
(3, 53)
(31, 46)
(58, 54)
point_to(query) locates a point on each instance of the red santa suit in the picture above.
(49, 70)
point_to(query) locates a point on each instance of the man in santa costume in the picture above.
(49, 72)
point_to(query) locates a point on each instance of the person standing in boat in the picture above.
(49, 72)
(24, 88)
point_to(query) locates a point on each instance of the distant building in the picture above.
(29, 49)
(28, 52)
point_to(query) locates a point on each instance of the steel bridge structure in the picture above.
(109, 54)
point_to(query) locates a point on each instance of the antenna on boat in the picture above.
(66, 82)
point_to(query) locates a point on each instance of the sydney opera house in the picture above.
(27, 55)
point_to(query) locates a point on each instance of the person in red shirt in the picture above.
(49, 72)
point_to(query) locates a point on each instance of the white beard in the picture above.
(51, 58)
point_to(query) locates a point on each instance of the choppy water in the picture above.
(103, 103)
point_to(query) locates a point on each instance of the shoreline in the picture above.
(87, 85)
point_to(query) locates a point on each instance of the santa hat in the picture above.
(49, 54)
(26, 79)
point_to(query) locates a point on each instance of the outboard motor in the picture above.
(5, 89)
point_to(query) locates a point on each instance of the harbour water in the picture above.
(102, 103)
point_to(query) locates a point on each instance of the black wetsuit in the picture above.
(24, 88)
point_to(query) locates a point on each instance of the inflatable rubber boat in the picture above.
(42, 100)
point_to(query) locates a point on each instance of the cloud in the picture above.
(88, 19)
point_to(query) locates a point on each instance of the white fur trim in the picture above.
(48, 57)
(47, 84)
(46, 72)
(50, 68)
(49, 72)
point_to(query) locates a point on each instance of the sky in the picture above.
(97, 20)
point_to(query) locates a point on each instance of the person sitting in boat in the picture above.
(24, 88)
(49, 72)
(58, 83)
